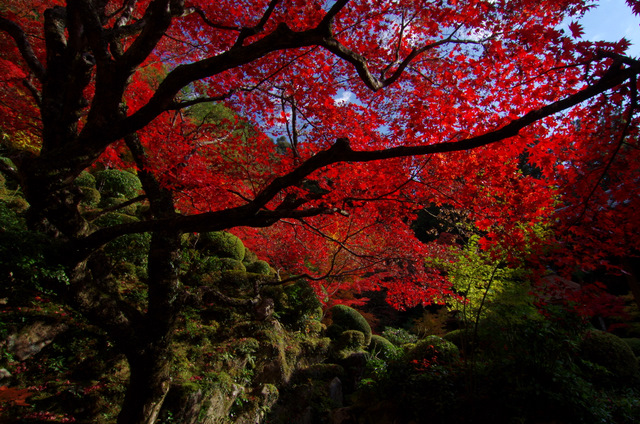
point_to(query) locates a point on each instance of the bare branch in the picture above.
(248, 32)
(332, 13)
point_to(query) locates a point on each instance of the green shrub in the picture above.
(229, 264)
(90, 196)
(259, 267)
(85, 179)
(128, 248)
(16, 203)
(350, 319)
(437, 349)
(399, 336)
(351, 340)
(301, 306)
(115, 202)
(117, 183)
(462, 338)
(10, 220)
(232, 283)
(609, 351)
(8, 183)
(634, 344)
(382, 347)
(222, 244)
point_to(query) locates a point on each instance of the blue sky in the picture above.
(611, 21)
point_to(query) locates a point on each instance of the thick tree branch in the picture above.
(253, 213)
(248, 32)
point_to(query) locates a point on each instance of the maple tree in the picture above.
(443, 99)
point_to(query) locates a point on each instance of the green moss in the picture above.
(128, 248)
(115, 202)
(90, 196)
(352, 340)
(350, 319)
(85, 179)
(117, 183)
(249, 257)
(434, 348)
(609, 351)
(399, 336)
(462, 338)
(17, 203)
(382, 347)
(301, 306)
(229, 264)
(259, 267)
(634, 344)
(221, 244)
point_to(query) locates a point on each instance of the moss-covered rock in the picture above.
(117, 183)
(611, 352)
(350, 319)
(221, 244)
(435, 349)
(382, 347)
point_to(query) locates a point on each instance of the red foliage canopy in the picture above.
(484, 105)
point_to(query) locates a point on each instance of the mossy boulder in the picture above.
(382, 347)
(611, 352)
(435, 349)
(221, 244)
(350, 319)
(117, 183)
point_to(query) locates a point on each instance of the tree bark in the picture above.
(149, 383)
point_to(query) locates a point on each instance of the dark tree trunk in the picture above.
(148, 384)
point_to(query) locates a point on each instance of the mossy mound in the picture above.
(85, 179)
(634, 344)
(90, 196)
(259, 267)
(128, 248)
(221, 244)
(352, 340)
(382, 347)
(611, 352)
(117, 183)
(435, 350)
(300, 307)
(349, 319)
